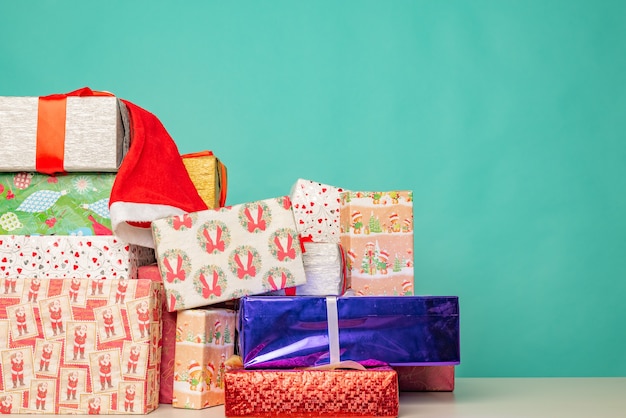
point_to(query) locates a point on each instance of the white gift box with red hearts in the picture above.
(221, 254)
(69, 256)
(316, 210)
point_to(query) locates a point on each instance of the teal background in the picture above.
(506, 119)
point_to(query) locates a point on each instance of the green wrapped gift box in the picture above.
(62, 204)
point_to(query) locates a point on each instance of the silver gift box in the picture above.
(96, 133)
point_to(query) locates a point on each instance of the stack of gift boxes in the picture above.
(79, 333)
(299, 304)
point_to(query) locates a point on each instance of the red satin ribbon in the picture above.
(51, 129)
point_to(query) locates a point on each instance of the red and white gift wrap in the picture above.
(312, 393)
(221, 254)
(168, 338)
(205, 340)
(377, 236)
(75, 132)
(69, 256)
(316, 210)
(80, 347)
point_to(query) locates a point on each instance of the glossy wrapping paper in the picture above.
(312, 393)
(425, 378)
(287, 332)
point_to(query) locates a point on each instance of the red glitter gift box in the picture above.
(312, 393)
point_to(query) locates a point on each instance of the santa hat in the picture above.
(152, 181)
(407, 222)
(407, 285)
(384, 255)
(194, 366)
(356, 215)
(351, 255)
(211, 367)
(217, 324)
(394, 217)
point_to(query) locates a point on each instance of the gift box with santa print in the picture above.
(316, 210)
(205, 340)
(209, 175)
(62, 204)
(66, 349)
(306, 393)
(377, 235)
(168, 337)
(66, 257)
(82, 131)
(221, 254)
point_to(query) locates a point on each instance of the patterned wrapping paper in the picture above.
(221, 254)
(373, 330)
(95, 135)
(67, 351)
(205, 340)
(67, 257)
(168, 337)
(209, 175)
(316, 210)
(377, 226)
(377, 235)
(324, 267)
(62, 204)
(312, 393)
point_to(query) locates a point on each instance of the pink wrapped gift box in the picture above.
(68, 350)
(221, 254)
(67, 257)
(205, 340)
(377, 235)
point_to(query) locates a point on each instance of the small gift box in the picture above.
(377, 235)
(205, 340)
(221, 254)
(324, 267)
(81, 131)
(67, 257)
(63, 204)
(316, 210)
(308, 393)
(68, 350)
(208, 174)
(313, 331)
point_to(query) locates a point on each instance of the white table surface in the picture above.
(494, 397)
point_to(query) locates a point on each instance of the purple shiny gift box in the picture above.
(287, 332)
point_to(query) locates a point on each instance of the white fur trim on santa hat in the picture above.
(121, 212)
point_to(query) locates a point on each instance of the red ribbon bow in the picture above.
(213, 289)
(211, 245)
(259, 223)
(170, 275)
(249, 269)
